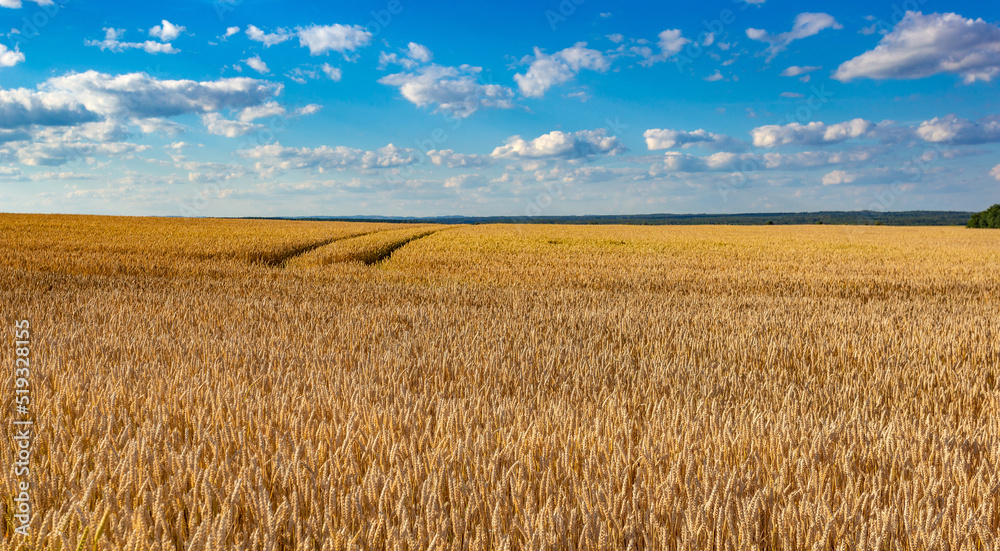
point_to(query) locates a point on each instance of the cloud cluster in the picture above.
(112, 42)
(657, 138)
(958, 131)
(328, 158)
(455, 91)
(814, 133)
(319, 39)
(546, 71)
(140, 95)
(558, 145)
(923, 45)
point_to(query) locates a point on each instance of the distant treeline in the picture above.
(909, 218)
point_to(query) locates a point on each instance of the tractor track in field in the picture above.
(385, 254)
(282, 260)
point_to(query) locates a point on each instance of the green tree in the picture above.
(989, 218)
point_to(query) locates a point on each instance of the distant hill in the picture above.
(908, 218)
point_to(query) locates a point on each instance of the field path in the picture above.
(369, 248)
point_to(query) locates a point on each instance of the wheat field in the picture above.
(266, 385)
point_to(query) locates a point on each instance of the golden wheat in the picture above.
(227, 384)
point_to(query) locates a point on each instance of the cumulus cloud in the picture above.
(958, 131)
(995, 172)
(230, 31)
(809, 134)
(805, 25)
(546, 71)
(267, 39)
(838, 177)
(140, 95)
(10, 58)
(923, 45)
(322, 39)
(112, 42)
(561, 146)
(452, 90)
(670, 43)
(328, 158)
(257, 64)
(657, 138)
(221, 126)
(167, 31)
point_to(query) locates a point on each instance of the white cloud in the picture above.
(17, 3)
(167, 31)
(156, 125)
(221, 126)
(809, 134)
(995, 172)
(837, 177)
(547, 71)
(419, 52)
(79, 98)
(112, 42)
(48, 146)
(671, 43)
(257, 64)
(268, 39)
(331, 72)
(657, 138)
(328, 158)
(274, 109)
(450, 159)
(795, 70)
(792, 95)
(322, 39)
(414, 55)
(314, 72)
(10, 58)
(675, 161)
(725, 161)
(958, 131)
(310, 109)
(561, 145)
(714, 77)
(230, 31)
(805, 25)
(924, 45)
(252, 113)
(452, 90)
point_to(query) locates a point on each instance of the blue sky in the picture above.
(395, 107)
